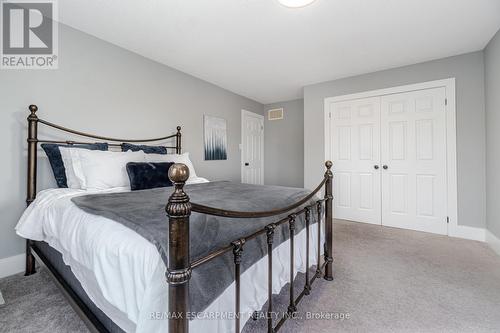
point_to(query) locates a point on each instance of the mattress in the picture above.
(123, 275)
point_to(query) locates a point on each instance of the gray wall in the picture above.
(468, 70)
(492, 78)
(284, 145)
(104, 89)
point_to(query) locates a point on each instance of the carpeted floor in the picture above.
(386, 280)
(34, 304)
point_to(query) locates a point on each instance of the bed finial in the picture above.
(328, 164)
(178, 173)
(178, 128)
(33, 108)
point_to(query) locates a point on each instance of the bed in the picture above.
(112, 258)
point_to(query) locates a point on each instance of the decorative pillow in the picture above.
(100, 170)
(175, 158)
(144, 148)
(144, 176)
(56, 162)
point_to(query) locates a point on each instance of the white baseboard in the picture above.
(457, 231)
(493, 241)
(466, 232)
(12, 265)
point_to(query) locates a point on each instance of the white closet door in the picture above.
(413, 148)
(355, 150)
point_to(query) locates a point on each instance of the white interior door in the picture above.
(413, 155)
(252, 148)
(355, 150)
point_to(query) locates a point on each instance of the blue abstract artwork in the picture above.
(215, 138)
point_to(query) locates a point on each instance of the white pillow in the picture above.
(175, 158)
(100, 170)
(72, 181)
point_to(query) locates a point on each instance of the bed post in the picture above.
(178, 146)
(32, 152)
(179, 267)
(328, 222)
(31, 190)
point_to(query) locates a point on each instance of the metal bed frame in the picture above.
(178, 209)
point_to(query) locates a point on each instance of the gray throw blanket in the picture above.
(144, 212)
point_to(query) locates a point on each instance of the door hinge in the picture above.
(447, 219)
(330, 115)
(446, 101)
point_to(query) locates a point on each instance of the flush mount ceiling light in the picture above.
(295, 3)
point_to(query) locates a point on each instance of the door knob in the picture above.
(247, 164)
(385, 167)
(376, 167)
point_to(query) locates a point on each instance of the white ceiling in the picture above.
(262, 50)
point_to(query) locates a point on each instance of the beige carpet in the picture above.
(393, 280)
(386, 280)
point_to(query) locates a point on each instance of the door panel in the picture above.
(413, 147)
(252, 148)
(355, 150)
(398, 190)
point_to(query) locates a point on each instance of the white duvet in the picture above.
(123, 273)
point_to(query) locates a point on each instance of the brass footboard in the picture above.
(180, 267)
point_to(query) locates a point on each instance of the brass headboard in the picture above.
(33, 142)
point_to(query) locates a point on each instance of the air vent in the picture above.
(275, 114)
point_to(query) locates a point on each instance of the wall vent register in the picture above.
(275, 114)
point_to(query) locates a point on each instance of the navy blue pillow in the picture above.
(56, 162)
(144, 176)
(146, 149)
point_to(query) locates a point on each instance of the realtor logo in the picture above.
(29, 34)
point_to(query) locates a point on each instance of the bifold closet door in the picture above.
(355, 149)
(413, 157)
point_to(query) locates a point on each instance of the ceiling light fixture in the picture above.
(295, 3)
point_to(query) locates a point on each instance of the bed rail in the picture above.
(179, 268)
(247, 215)
(104, 138)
